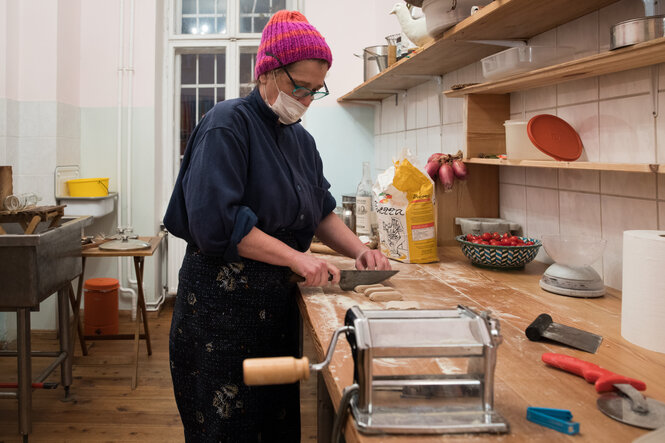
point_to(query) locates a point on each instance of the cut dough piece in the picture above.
(385, 296)
(361, 288)
(402, 305)
(370, 291)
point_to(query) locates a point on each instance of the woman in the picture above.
(248, 199)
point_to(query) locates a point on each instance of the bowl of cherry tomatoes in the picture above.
(502, 251)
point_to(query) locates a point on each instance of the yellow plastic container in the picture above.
(88, 187)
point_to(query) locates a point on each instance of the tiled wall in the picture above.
(612, 114)
(37, 137)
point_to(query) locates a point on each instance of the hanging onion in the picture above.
(432, 168)
(446, 176)
(435, 157)
(459, 168)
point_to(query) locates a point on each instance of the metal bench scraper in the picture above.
(544, 327)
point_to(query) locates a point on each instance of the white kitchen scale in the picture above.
(572, 274)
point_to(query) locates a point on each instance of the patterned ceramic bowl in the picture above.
(500, 257)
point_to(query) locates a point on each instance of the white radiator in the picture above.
(177, 247)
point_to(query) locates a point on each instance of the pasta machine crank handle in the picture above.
(285, 370)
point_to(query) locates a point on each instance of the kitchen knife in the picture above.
(349, 279)
(627, 405)
(544, 327)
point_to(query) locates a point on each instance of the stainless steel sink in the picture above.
(35, 266)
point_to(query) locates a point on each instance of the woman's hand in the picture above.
(333, 232)
(316, 272)
(372, 259)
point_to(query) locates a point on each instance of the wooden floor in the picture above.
(103, 406)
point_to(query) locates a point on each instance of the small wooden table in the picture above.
(141, 313)
(29, 218)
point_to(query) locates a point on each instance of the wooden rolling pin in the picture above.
(320, 248)
(275, 370)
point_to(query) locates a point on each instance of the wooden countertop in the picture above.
(522, 379)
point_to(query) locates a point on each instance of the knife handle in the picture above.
(603, 379)
(295, 278)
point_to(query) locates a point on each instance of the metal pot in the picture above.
(637, 30)
(444, 14)
(375, 60)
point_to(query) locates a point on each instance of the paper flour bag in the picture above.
(404, 197)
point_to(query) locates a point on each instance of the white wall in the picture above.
(34, 63)
(348, 27)
(68, 76)
(612, 114)
(3, 55)
(343, 132)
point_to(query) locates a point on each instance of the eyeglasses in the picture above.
(300, 91)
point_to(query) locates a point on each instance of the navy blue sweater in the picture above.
(243, 168)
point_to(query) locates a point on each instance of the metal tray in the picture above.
(637, 30)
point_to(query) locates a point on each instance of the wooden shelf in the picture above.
(622, 167)
(636, 56)
(500, 20)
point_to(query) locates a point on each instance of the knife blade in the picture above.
(350, 278)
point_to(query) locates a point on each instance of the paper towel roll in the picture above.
(643, 298)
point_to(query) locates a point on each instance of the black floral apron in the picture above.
(225, 313)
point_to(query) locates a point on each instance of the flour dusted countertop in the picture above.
(522, 379)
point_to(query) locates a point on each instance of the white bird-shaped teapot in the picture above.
(414, 29)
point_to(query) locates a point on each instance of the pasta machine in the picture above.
(415, 371)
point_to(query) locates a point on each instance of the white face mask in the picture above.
(286, 107)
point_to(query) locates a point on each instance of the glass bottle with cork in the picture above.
(364, 203)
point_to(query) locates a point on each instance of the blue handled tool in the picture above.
(557, 419)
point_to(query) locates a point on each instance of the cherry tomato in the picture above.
(486, 236)
(505, 241)
(529, 243)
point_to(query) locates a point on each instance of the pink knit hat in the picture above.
(289, 36)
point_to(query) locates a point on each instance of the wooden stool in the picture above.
(29, 218)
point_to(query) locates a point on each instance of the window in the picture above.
(203, 17)
(214, 45)
(202, 84)
(255, 14)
